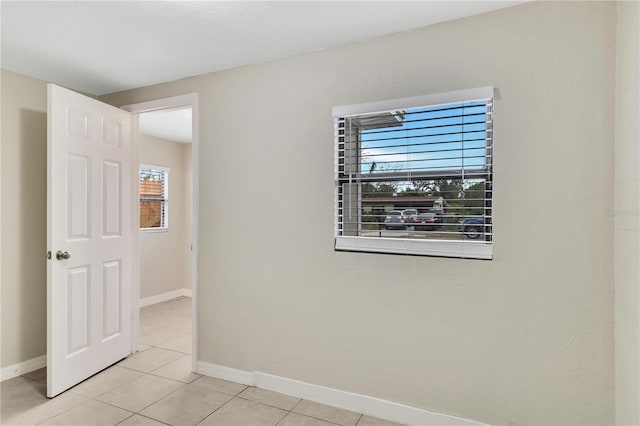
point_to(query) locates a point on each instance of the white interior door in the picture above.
(89, 237)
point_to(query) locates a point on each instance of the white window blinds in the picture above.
(416, 179)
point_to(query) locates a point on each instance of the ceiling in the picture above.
(105, 47)
(174, 125)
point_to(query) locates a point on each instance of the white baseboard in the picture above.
(359, 403)
(163, 297)
(226, 373)
(21, 368)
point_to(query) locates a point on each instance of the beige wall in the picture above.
(165, 256)
(525, 338)
(24, 218)
(627, 218)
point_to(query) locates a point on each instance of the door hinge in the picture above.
(49, 255)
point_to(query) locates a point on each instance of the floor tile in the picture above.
(140, 393)
(164, 322)
(147, 325)
(374, 421)
(20, 389)
(39, 375)
(178, 307)
(20, 407)
(326, 412)
(90, 413)
(179, 370)
(106, 380)
(138, 420)
(182, 344)
(293, 419)
(267, 397)
(173, 306)
(150, 321)
(157, 313)
(142, 348)
(165, 334)
(220, 385)
(241, 412)
(150, 359)
(187, 406)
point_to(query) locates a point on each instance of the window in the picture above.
(154, 190)
(414, 175)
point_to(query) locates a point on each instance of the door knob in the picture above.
(62, 255)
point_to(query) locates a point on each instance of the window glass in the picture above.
(416, 174)
(153, 198)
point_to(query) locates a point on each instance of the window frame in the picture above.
(165, 198)
(409, 246)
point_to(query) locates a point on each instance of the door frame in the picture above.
(174, 102)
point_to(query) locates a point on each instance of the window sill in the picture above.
(153, 230)
(441, 248)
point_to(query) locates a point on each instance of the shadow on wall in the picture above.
(32, 224)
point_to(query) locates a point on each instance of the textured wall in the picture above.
(627, 215)
(525, 338)
(24, 218)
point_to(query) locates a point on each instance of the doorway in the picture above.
(166, 250)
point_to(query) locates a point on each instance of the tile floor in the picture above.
(156, 387)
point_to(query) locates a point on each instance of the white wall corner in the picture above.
(359, 403)
(163, 297)
(21, 368)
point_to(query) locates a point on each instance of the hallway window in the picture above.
(154, 190)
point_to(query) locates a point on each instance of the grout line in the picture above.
(325, 420)
(283, 417)
(264, 403)
(177, 380)
(318, 418)
(296, 404)
(128, 368)
(289, 411)
(149, 373)
(34, 381)
(226, 393)
(162, 397)
(132, 414)
(110, 404)
(25, 376)
(146, 417)
(151, 418)
(315, 418)
(211, 413)
(68, 409)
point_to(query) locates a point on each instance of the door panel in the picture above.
(111, 308)
(89, 217)
(78, 323)
(79, 197)
(112, 196)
